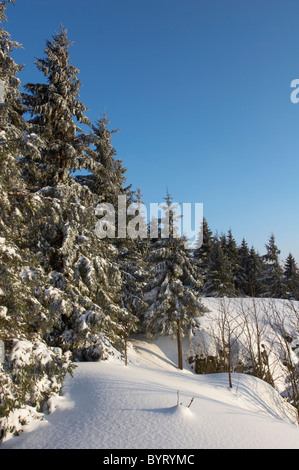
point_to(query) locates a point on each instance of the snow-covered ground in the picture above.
(110, 406)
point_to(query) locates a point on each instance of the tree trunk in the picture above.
(126, 351)
(179, 340)
(230, 367)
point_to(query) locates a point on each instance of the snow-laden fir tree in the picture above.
(107, 179)
(203, 253)
(172, 291)
(291, 278)
(32, 371)
(219, 280)
(131, 258)
(11, 108)
(232, 253)
(14, 140)
(241, 278)
(56, 113)
(85, 283)
(272, 272)
(249, 271)
(108, 182)
(253, 272)
(12, 124)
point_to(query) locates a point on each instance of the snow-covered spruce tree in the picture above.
(83, 276)
(131, 259)
(202, 254)
(172, 291)
(241, 277)
(107, 182)
(219, 280)
(291, 278)
(85, 280)
(32, 371)
(232, 253)
(12, 124)
(253, 273)
(11, 108)
(249, 272)
(56, 112)
(108, 179)
(272, 273)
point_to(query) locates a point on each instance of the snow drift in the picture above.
(110, 406)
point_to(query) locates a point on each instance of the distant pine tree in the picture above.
(254, 273)
(291, 278)
(242, 273)
(202, 255)
(250, 271)
(232, 253)
(272, 274)
(220, 275)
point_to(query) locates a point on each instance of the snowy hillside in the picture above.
(257, 336)
(110, 406)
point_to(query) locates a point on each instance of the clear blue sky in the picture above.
(200, 90)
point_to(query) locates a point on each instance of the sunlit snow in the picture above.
(146, 406)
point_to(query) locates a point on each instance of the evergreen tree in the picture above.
(12, 125)
(55, 111)
(86, 281)
(231, 250)
(291, 278)
(250, 269)
(107, 180)
(242, 274)
(272, 275)
(202, 255)
(220, 276)
(231, 246)
(172, 289)
(131, 259)
(84, 277)
(32, 371)
(253, 274)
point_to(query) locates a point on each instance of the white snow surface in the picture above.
(108, 405)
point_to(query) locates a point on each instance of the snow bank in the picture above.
(262, 334)
(110, 406)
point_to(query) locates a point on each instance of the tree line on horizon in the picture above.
(65, 294)
(233, 270)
